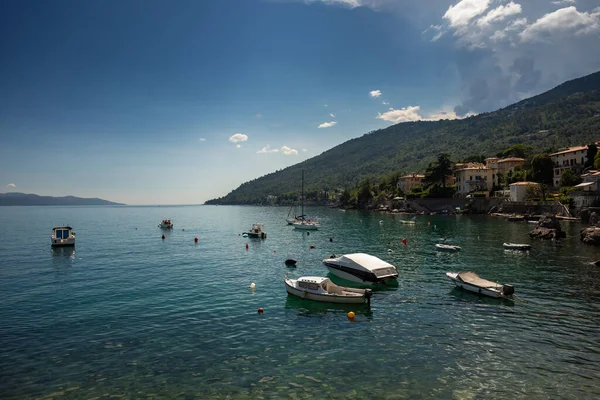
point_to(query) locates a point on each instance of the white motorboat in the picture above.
(320, 288)
(257, 231)
(516, 246)
(62, 236)
(361, 267)
(473, 283)
(447, 247)
(165, 224)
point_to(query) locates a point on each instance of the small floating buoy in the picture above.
(428, 223)
(307, 233)
(390, 251)
(274, 251)
(331, 239)
(404, 241)
(312, 246)
(351, 316)
(252, 286)
(246, 246)
(183, 230)
(195, 240)
(136, 229)
(260, 310)
(163, 237)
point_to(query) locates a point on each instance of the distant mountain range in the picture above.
(24, 199)
(567, 115)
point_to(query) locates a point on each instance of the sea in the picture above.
(128, 314)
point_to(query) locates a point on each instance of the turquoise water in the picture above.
(126, 314)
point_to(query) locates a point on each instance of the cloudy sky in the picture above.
(160, 102)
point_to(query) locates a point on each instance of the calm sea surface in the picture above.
(126, 314)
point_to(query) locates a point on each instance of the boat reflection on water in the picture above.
(463, 295)
(318, 309)
(63, 252)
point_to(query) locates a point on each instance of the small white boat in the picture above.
(473, 283)
(62, 236)
(257, 231)
(516, 246)
(362, 268)
(447, 247)
(306, 225)
(320, 288)
(165, 224)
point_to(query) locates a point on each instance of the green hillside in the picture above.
(567, 115)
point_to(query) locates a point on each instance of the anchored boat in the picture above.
(473, 283)
(516, 246)
(362, 268)
(257, 231)
(447, 247)
(165, 224)
(62, 236)
(320, 288)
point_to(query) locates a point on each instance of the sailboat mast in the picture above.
(302, 195)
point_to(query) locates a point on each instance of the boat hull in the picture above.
(447, 248)
(516, 246)
(490, 292)
(325, 298)
(356, 276)
(306, 227)
(63, 243)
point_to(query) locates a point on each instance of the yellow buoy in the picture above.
(351, 315)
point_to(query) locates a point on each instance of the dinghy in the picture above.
(516, 246)
(320, 288)
(473, 283)
(447, 247)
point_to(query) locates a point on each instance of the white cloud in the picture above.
(304, 150)
(284, 150)
(238, 138)
(332, 115)
(347, 3)
(267, 149)
(375, 93)
(288, 151)
(237, 146)
(564, 2)
(500, 13)
(327, 124)
(202, 139)
(258, 116)
(385, 103)
(410, 113)
(464, 11)
(562, 21)
(11, 186)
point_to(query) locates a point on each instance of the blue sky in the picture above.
(159, 102)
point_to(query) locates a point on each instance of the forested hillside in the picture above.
(567, 115)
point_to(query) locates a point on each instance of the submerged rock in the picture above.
(590, 235)
(548, 227)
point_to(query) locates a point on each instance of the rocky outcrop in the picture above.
(548, 227)
(590, 235)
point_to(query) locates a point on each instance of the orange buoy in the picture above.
(260, 310)
(404, 241)
(195, 240)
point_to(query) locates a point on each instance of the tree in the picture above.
(542, 169)
(438, 171)
(364, 193)
(518, 150)
(569, 178)
(590, 159)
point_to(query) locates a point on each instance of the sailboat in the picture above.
(303, 223)
(292, 215)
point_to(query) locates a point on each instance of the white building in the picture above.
(520, 191)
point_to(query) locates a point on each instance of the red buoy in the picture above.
(404, 241)
(195, 240)
(260, 310)
(246, 246)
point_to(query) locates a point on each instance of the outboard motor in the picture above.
(368, 294)
(507, 290)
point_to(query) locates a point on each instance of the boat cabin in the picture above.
(62, 236)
